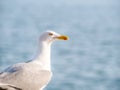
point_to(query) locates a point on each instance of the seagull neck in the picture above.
(44, 55)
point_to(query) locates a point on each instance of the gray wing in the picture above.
(9, 75)
(8, 87)
(11, 72)
(27, 76)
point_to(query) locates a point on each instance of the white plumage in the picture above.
(34, 74)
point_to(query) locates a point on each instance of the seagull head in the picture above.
(50, 36)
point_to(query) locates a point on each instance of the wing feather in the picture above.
(24, 75)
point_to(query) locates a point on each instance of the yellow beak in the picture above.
(63, 37)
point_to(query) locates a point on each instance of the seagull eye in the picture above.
(50, 34)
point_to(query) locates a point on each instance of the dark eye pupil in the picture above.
(50, 34)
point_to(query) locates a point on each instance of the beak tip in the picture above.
(66, 38)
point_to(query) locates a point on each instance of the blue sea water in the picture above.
(90, 60)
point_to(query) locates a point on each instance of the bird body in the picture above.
(34, 74)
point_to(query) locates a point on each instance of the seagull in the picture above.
(34, 74)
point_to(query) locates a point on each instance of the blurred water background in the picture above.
(90, 60)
